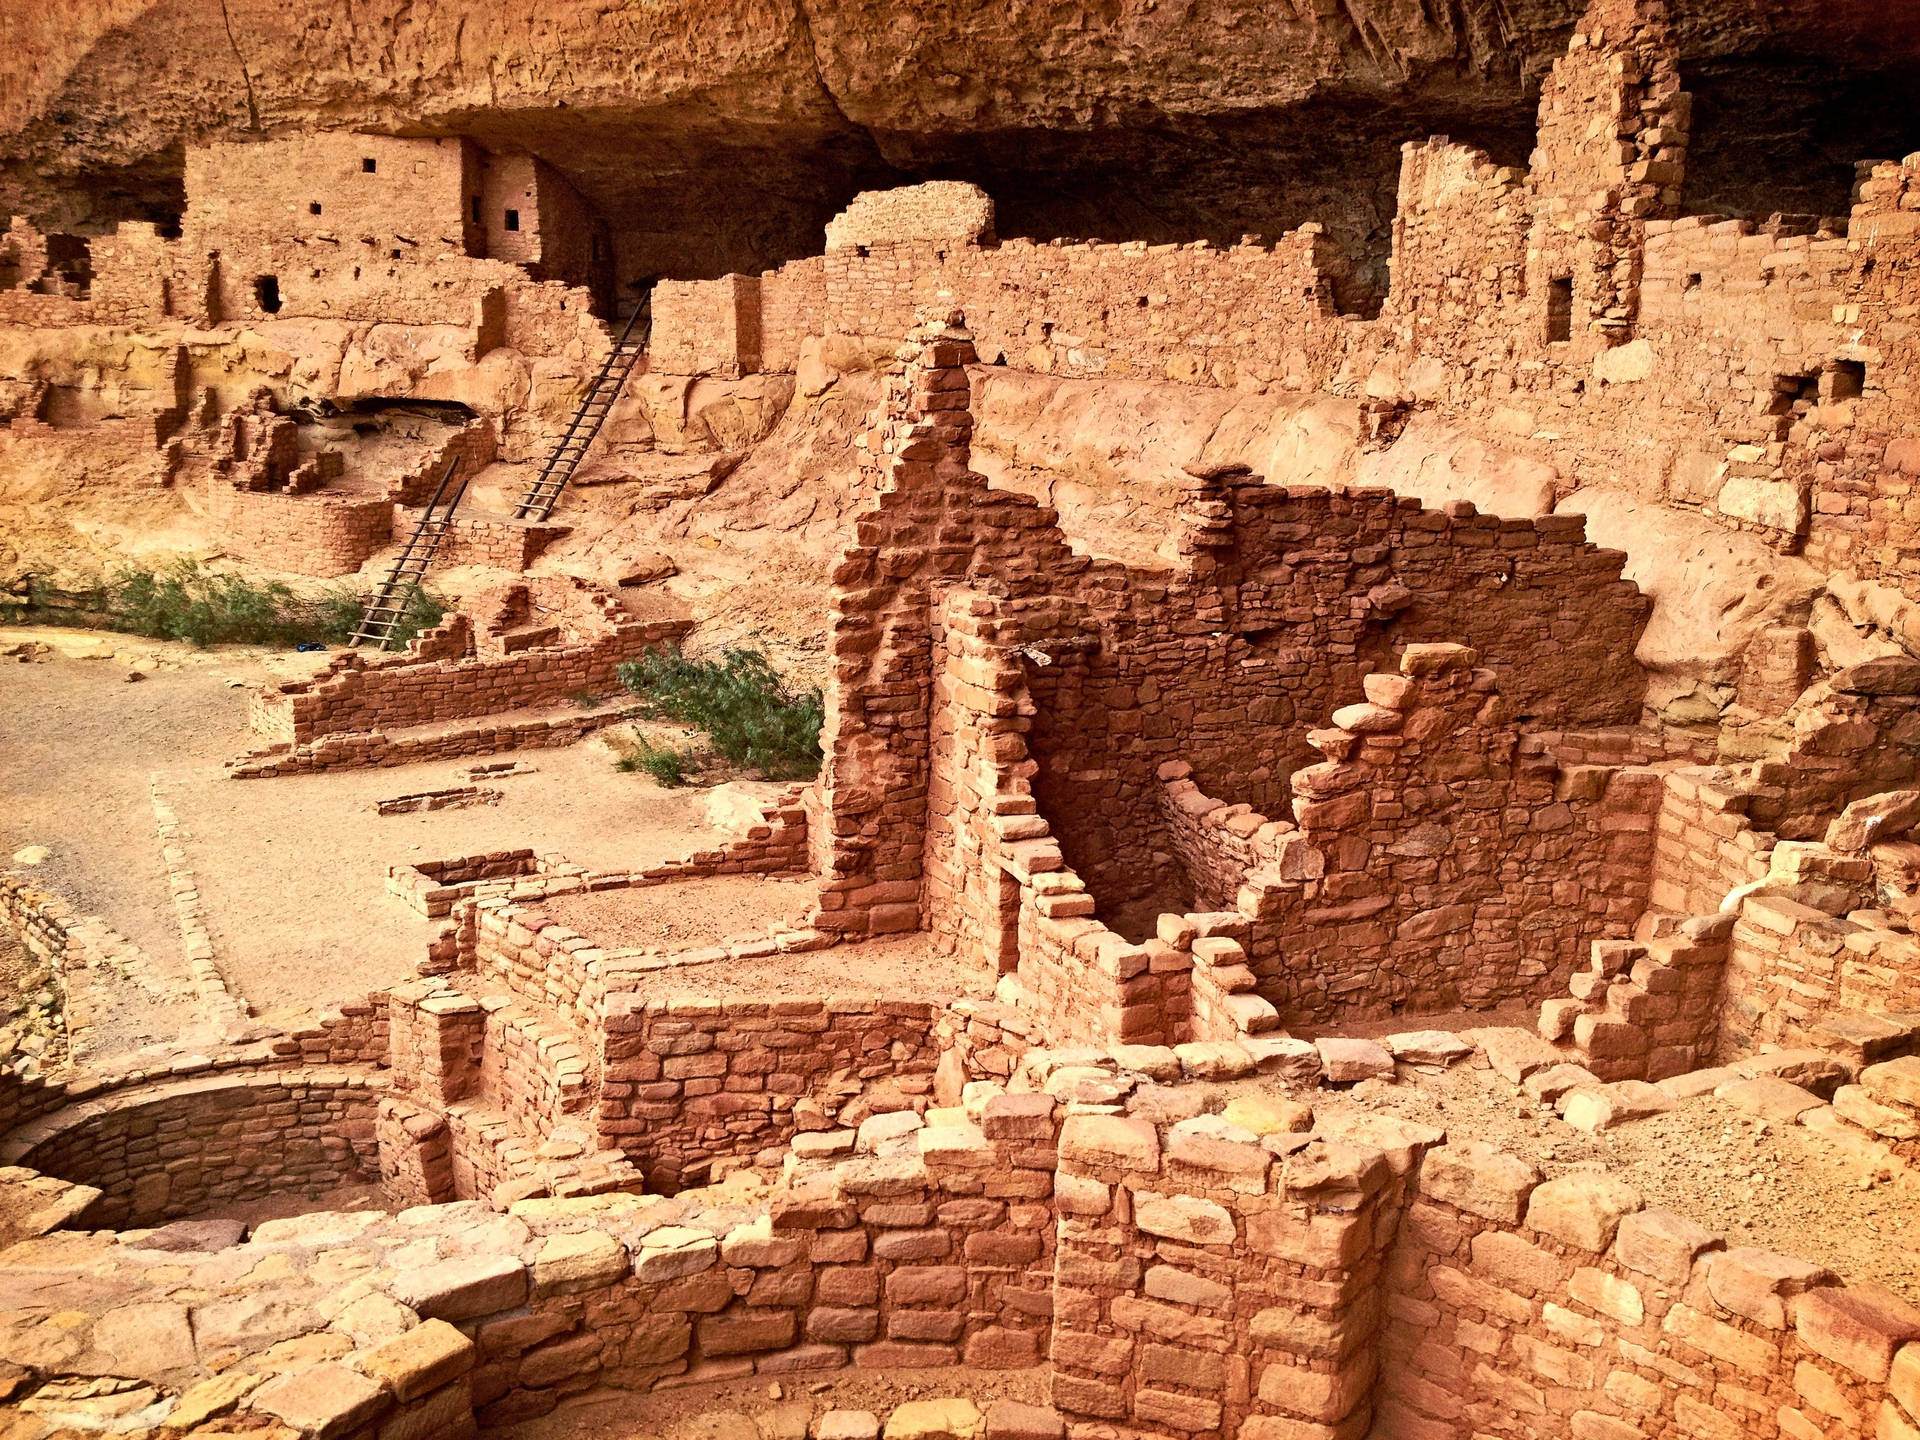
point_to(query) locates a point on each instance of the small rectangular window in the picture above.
(1559, 309)
(314, 208)
(513, 219)
(266, 291)
(368, 166)
(473, 209)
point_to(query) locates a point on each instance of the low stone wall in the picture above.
(319, 535)
(166, 1151)
(374, 748)
(503, 544)
(1181, 1273)
(356, 697)
(1566, 1306)
(430, 887)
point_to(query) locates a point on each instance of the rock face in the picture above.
(751, 122)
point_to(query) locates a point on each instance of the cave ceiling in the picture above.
(1148, 119)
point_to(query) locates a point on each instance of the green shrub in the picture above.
(754, 720)
(667, 766)
(180, 601)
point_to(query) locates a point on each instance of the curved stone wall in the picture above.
(181, 1148)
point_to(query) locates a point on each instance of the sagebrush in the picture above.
(753, 718)
(182, 601)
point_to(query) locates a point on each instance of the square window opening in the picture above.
(513, 220)
(368, 165)
(313, 208)
(1846, 380)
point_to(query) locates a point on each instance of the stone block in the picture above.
(1012, 1420)
(1346, 1062)
(1110, 1141)
(1582, 1209)
(430, 1355)
(1769, 1098)
(323, 1401)
(1661, 1244)
(1479, 1179)
(571, 1262)
(1859, 1326)
(745, 1332)
(1268, 1115)
(1758, 1283)
(1428, 1047)
(462, 1289)
(1601, 1107)
(1186, 1218)
(673, 1252)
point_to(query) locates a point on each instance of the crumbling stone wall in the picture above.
(930, 524)
(1290, 596)
(949, 210)
(1436, 864)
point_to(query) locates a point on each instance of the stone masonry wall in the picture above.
(690, 1081)
(355, 696)
(1436, 862)
(318, 535)
(1208, 1283)
(1292, 595)
(1517, 1307)
(182, 1148)
(706, 327)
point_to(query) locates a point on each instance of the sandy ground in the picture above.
(291, 870)
(1776, 1187)
(764, 1409)
(688, 914)
(903, 967)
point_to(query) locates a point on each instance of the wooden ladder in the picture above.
(544, 493)
(389, 603)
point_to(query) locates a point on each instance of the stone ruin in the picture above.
(1336, 757)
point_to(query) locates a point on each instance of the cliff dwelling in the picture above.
(1162, 723)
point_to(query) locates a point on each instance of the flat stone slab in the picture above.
(1769, 1097)
(1347, 1062)
(1428, 1047)
(1601, 1107)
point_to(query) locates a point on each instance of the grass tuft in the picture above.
(667, 766)
(754, 720)
(181, 601)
